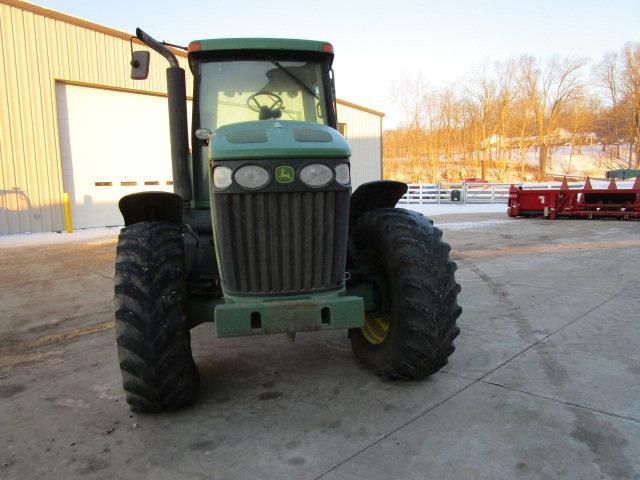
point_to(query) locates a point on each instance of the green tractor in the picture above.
(263, 234)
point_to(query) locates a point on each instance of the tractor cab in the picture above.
(240, 80)
(260, 98)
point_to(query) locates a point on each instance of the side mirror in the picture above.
(140, 64)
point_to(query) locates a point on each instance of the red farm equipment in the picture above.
(585, 202)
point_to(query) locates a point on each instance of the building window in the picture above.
(342, 128)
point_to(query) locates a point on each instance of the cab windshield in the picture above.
(244, 90)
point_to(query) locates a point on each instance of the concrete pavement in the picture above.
(545, 381)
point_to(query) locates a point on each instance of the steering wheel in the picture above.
(266, 112)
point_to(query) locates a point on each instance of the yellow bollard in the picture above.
(67, 212)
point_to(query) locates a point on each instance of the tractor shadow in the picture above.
(252, 370)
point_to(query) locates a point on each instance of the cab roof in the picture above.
(285, 44)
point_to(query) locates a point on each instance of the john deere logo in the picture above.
(284, 174)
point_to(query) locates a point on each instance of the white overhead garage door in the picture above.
(112, 144)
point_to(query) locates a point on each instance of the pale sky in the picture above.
(377, 43)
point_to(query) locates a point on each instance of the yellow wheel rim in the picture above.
(376, 327)
(377, 317)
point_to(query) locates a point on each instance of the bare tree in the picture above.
(505, 100)
(410, 94)
(608, 76)
(631, 83)
(482, 91)
(548, 85)
(489, 124)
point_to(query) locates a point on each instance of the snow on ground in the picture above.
(54, 238)
(605, 183)
(474, 224)
(592, 160)
(433, 209)
(430, 210)
(107, 233)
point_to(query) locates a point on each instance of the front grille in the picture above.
(280, 243)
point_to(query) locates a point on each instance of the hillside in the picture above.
(588, 160)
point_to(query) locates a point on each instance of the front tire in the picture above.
(410, 332)
(154, 344)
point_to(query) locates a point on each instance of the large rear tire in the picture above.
(410, 331)
(154, 344)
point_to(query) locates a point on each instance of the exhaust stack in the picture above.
(178, 126)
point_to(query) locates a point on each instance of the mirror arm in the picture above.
(157, 46)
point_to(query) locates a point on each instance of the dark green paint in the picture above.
(280, 316)
(289, 44)
(232, 315)
(281, 142)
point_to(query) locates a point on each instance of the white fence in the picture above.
(462, 193)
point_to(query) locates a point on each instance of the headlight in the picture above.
(222, 177)
(252, 177)
(316, 175)
(342, 174)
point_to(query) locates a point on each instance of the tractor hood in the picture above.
(276, 139)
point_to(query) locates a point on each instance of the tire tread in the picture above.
(423, 295)
(154, 344)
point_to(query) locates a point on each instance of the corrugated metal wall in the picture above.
(363, 130)
(37, 48)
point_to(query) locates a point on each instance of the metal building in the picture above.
(72, 120)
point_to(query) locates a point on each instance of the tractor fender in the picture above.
(375, 195)
(151, 206)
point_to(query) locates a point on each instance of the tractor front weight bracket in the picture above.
(288, 316)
